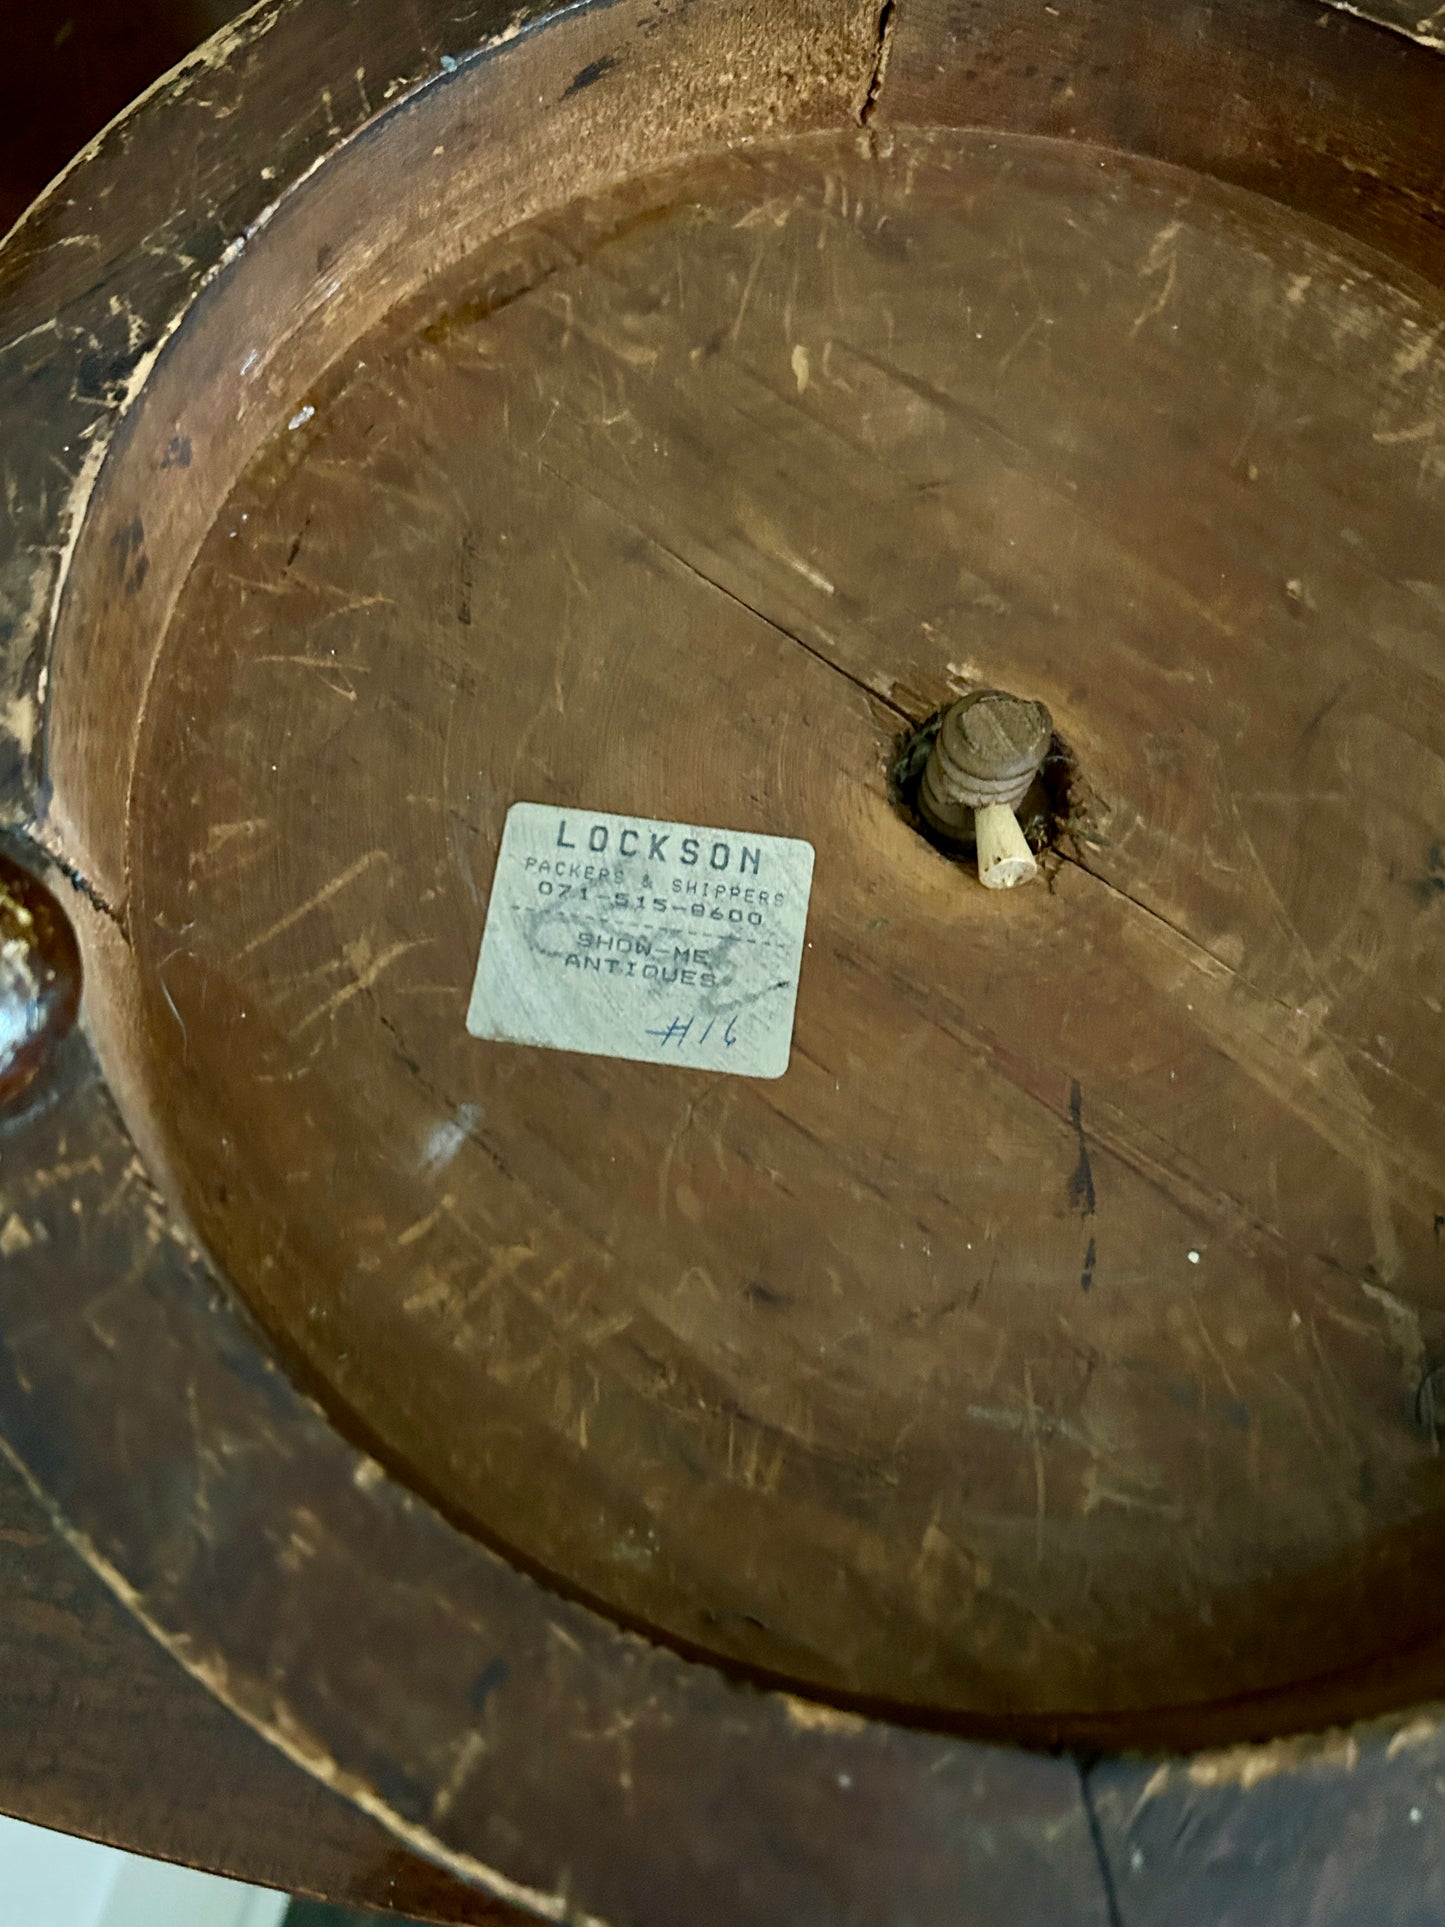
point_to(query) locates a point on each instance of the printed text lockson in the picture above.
(718, 855)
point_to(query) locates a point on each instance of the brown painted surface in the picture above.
(1051, 1352)
(69, 66)
(521, 1739)
(104, 1735)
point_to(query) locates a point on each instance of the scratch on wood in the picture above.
(1163, 258)
(468, 1754)
(1081, 1184)
(323, 895)
(1040, 1488)
(362, 982)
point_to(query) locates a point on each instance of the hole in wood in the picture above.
(1052, 809)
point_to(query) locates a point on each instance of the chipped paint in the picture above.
(812, 1716)
(1249, 1766)
(1424, 1731)
(1425, 32)
(265, 1713)
(15, 1236)
(18, 718)
(175, 83)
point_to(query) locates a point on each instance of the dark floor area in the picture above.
(68, 68)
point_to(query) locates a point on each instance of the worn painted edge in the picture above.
(1428, 31)
(294, 1742)
(25, 640)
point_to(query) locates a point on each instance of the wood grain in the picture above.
(896, 1378)
(103, 1735)
(1135, 409)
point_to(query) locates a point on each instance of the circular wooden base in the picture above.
(1047, 1345)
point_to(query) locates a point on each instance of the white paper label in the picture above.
(666, 943)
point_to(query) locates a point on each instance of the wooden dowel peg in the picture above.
(1004, 857)
(988, 750)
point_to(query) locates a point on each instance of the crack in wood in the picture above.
(731, 595)
(1210, 961)
(883, 47)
